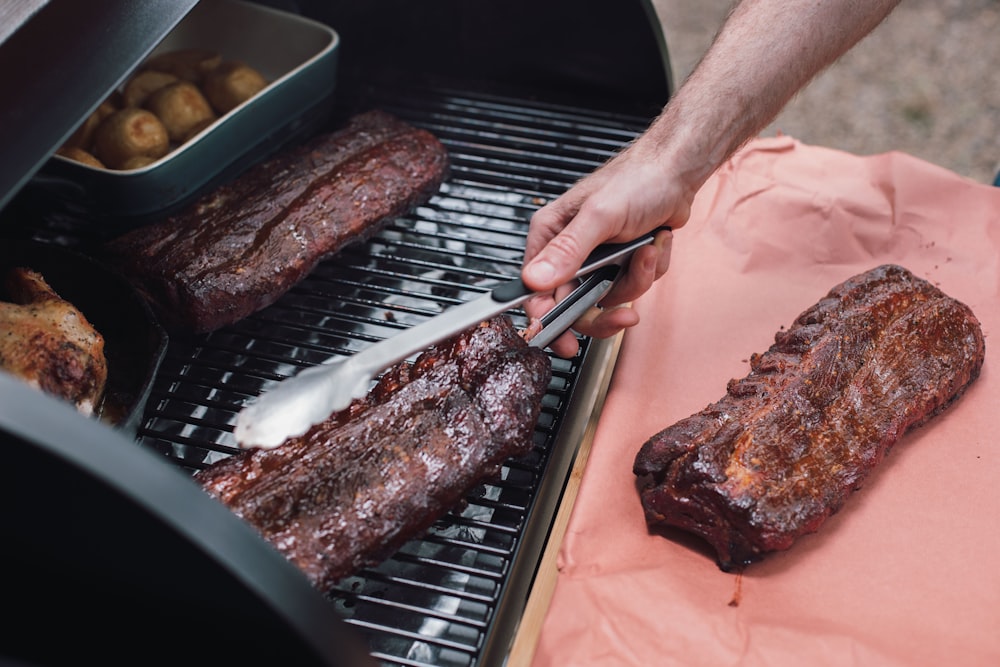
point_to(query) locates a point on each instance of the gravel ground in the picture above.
(925, 82)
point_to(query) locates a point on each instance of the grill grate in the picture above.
(441, 599)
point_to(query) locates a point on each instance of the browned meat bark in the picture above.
(353, 489)
(47, 342)
(881, 354)
(240, 247)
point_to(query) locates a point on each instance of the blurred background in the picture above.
(925, 82)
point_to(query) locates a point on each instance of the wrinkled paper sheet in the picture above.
(907, 573)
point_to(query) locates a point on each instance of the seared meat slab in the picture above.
(240, 247)
(47, 342)
(354, 488)
(881, 354)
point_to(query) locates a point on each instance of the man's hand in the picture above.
(622, 200)
(764, 53)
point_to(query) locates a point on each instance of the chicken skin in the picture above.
(49, 343)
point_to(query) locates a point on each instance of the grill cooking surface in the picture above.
(441, 599)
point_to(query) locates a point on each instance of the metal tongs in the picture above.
(311, 396)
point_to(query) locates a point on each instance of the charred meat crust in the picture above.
(353, 489)
(239, 248)
(48, 342)
(882, 353)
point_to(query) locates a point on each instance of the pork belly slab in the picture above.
(350, 491)
(880, 354)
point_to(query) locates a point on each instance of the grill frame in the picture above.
(574, 98)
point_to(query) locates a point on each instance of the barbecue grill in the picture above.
(527, 98)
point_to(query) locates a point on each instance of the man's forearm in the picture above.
(766, 51)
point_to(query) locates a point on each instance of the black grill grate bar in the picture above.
(417, 273)
(508, 168)
(533, 151)
(493, 530)
(542, 134)
(532, 194)
(539, 141)
(432, 613)
(426, 587)
(456, 237)
(497, 203)
(387, 660)
(517, 160)
(468, 522)
(275, 319)
(237, 354)
(455, 216)
(188, 418)
(366, 295)
(455, 226)
(483, 577)
(413, 636)
(346, 284)
(549, 186)
(390, 659)
(537, 119)
(439, 643)
(478, 274)
(443, 565)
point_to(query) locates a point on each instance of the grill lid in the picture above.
(602, 53)
(112, 553)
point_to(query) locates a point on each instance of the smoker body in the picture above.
(527, 97)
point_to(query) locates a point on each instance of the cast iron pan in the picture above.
(134, 342)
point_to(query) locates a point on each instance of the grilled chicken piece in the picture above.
(47, 342)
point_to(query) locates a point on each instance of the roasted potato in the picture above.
(137, 162)
(180, 106)
(171, 98)
(79, 155)
(138, 89)
(128, 133)
(84, 135)
(187, 64)
(196, 128)
(232, 83)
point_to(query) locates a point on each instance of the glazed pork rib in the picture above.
(349, 492)
(882, 353)
(242, 246)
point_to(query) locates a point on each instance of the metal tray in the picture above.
(298, 56)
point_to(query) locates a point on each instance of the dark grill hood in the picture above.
(528, 98)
